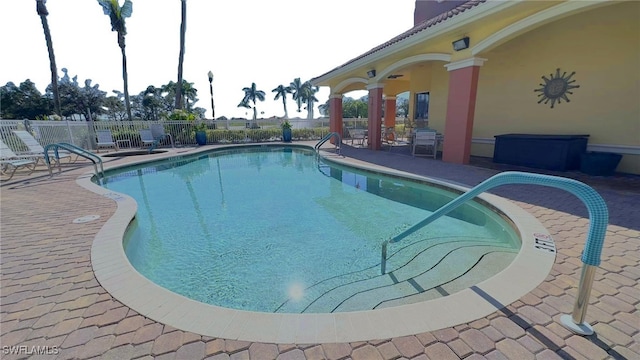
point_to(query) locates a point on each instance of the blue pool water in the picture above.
(275, 229)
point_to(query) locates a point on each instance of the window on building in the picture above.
(422, 106)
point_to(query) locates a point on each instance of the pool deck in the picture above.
(49, 295)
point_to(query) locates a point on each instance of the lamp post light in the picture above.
(213, 109)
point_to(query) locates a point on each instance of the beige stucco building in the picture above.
(534, 67)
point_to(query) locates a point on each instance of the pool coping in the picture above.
(114, 272)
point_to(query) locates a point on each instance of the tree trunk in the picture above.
(52, 63)
(92, 133)
(183, 30)
(309, 110)
(125, 78)
(284, 102)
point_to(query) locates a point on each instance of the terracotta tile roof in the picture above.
(414, 30)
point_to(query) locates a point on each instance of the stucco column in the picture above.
(375, 116)
(461, 104)
(389, 111)
(335, 115)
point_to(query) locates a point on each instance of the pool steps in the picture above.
(598, 216)
(423, 276)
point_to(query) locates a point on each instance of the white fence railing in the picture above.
(127, 132)
(183, 132)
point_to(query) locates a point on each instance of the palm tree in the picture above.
(189, 93)
(183, 30)
(41, 8)
(308, 95)
(296, 88)
(244, 104)
(282, 91)
(118, 14)
(252, 94)
(324, 108)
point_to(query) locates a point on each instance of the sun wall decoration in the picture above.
(556, 88)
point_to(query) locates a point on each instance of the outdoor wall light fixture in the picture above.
(461, 44)
(371, 74)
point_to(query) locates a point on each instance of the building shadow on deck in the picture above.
(621, 192)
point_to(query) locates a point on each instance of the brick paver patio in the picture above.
(50, 297)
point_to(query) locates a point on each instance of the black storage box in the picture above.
(552, 152)
(599, 163)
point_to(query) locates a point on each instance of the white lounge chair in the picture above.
(146, 137)
(359, 135)
(105, 139)
(157, 130)
(426, 139)
(10, 162)
(36, 149)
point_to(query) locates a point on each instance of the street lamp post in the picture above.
(213, 109)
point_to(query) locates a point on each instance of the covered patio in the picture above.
(477, 69)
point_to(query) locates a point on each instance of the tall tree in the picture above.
(41, 8)
(281, 92)
(324, 108)
(352, 108)
(252, 94)
(183, 31)
(296, 88)
(76, 100)
(152, 103)
(114, 108)
(308, 96)
(117, 14)
(189, 94)
(402, 107)
(23, 102)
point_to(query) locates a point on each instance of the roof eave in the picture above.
(474, 14)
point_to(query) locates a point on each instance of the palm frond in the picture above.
(127, 9)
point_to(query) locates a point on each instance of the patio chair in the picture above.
(157, 130)
(426, 139)
(10, 162)
(105, 139)
(359, 135)
(36, 149)
(390, 138)
(147, 138)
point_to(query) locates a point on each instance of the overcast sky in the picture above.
(266, 42)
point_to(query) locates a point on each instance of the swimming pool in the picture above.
(276, 229)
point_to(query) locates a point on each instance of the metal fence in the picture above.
(126, 133)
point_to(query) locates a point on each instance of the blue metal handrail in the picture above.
(95, 159)
(326, 138)
(598, 216)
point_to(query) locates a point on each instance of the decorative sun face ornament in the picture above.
(556, 88)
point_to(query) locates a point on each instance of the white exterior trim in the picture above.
(449, 25)
(488, 141)
(532, 22)
(620, 149)
(389, 97)
(474, 61)
(336, 96)
(375, 86)
(412, 60)
(344, 83)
